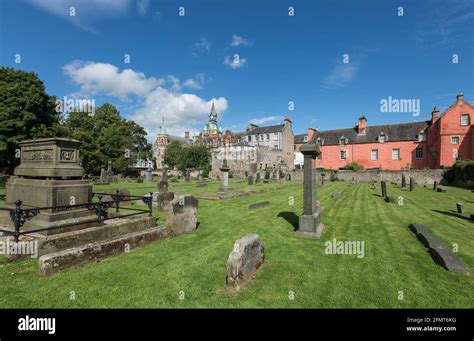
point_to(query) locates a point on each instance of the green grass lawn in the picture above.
(158, 275)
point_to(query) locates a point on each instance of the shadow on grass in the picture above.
(290, 217)
(453, 214)
(377, 195)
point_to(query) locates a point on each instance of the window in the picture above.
(374, 155)
(305, 138)
(454, 139)
(275, 137)
(396, 154)
(342, 141)
(382, 138)
(419, 153)
(268, 137)
(465, 120)
(275, 146)
(261, 137)
(343, 155)
(249, 138)
(421, 137)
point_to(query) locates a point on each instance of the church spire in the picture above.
(213, 114)
(162, 127)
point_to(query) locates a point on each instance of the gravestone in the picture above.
(383, 184)
(163, 199)
(404, 181)
(182, 215)
(460, 207)
(201, 185)
(471, 217)
(247, 256)
(323, 175)
(164, 176)
(250, 180)
(259, 204)
(140, 179)
(435, 185)
(336, 195)
(224, 177)
(148, 175)
(163, 186)
(257, 178)
(412, 184)
(187, 175)
(288, 176)
(309, 222)
(49, 174)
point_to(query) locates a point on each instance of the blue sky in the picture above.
(180, 64)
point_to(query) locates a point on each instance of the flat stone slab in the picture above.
(81, 255)
(336, 195)
(247, 256)
(259, 204)
(448, 260)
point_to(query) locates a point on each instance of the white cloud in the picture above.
(235, 63)
(202, 46)
(142, 6)
(106, 78)
(86, 11)
(267, 119)
(341, 75)
(157, 97)
(240, 41)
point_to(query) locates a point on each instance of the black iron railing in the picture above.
(22, 213)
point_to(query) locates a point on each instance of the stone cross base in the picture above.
(309, 225)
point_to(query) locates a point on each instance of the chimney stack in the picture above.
(362, 125)
(460, 98)
(287, 120)
(434, 115)
(311, 132)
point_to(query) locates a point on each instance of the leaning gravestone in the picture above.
(460, 207)
(163, 200)
(259, 204)
(182, 215)
(245, 259)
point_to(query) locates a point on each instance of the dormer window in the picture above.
(421, 136)
(305, 138)
(342, 141)
(382, 137)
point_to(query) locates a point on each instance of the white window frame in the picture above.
(305, 139)
(376, 155)
(398, 156)
(384, 138)
(267, 137)
(454, 137)
(345, 155)
(342, 141)
(275, 137)
(468, 119)
(417, 149)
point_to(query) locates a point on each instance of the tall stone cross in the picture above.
(309, 221)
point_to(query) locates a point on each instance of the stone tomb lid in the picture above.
(50, 157)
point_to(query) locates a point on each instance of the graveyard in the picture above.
(189, 271)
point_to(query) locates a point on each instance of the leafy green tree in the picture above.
(195, 157)
(173, 152)
(26, 112)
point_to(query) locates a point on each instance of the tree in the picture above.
(26, 112)
(107, 136)
(195, 157)
(173, 153)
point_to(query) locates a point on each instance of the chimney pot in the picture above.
(459, 97)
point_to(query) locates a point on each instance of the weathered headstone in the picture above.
(246, 258)
(148, 175)
(163, 199)
(323, 175)
(435, 185)
(259, 204)
(383, 184)
(257, 178)
(182, 215)
(460, 207)
(164, 176)
(224, 177)
(309, 222)
(412, 184)
(404, 181)
(250, 180)
(140, 179)
(163, 186)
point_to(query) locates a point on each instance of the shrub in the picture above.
(354, 166)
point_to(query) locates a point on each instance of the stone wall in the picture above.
(421, 176)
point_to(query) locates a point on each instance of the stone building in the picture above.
(435, 143)
(163, 140)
